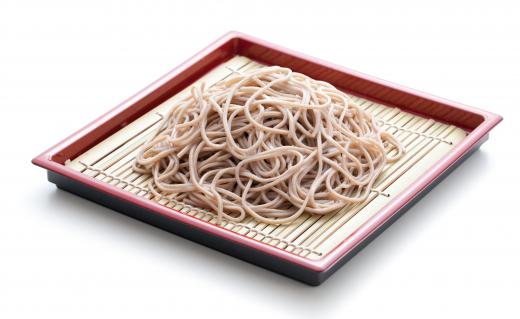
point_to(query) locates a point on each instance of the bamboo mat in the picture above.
(425, 142)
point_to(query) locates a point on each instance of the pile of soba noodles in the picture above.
(270, 143)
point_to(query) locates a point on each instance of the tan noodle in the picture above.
(271, 144)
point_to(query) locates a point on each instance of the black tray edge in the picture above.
(265, 260)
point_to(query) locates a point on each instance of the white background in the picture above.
(456, 253)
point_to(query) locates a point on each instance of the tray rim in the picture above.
(322, 264)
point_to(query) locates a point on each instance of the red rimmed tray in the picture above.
(293, 261)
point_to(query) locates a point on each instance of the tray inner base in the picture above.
(425, 141)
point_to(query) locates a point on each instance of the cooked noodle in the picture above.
(271, 144)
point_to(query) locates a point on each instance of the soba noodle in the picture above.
(271, 144)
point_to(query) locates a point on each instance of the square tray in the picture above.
(437, 135)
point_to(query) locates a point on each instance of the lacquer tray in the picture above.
(437, 134)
